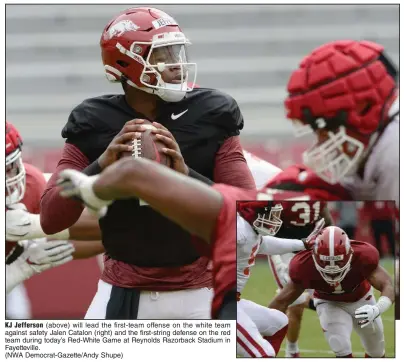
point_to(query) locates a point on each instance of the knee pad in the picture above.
(340, 344)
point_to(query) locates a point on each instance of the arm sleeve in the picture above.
(58, 213)
(231, 167)
(272, 245)
(15, 275)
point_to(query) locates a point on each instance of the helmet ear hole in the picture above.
(122, 63)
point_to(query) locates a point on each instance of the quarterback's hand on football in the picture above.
(40, 256)
(78, 186)
(366, 314)
(172, 149)
(118, 144)
(309, 241)
(22, 225)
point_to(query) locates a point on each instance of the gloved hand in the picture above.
(366, 314)
(36, 258)
(22, 225)
(310, 240)
(78, 186)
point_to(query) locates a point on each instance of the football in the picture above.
(148, 146)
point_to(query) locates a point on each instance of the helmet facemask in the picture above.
(15, 178)
(269, 222)
(337, 155)
(329, 269)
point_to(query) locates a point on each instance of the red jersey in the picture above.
(353, 287)
(223, 247)
(34, 187)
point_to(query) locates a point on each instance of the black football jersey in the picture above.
(200, 123)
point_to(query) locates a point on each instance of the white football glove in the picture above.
(22, 225)
(309, 241)
(36, 258)
(366, 314)
(77, 185)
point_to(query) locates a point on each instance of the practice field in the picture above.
(261, 288)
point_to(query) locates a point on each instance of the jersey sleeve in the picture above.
(231, 167)
(295, 270)
(35, 184)
(58, 213)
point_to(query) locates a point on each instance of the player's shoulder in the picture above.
(33, 174)
(245, 232)
(365, 252)
(300, 265)
(35, 185)
(220, 106)
(90, 114)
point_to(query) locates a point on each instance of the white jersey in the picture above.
(381, 179)
(248, 243)
(261, 170)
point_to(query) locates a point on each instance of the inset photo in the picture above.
(316, 278)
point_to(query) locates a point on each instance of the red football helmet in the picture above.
(140, 46)
(344, 91)
(332, 254)
(264, 216)
(15, 171)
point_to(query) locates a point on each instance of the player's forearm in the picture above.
(87, 249)
(86, 228)
(166, 191)
(388, 291)
(272, 245)
(287, 296)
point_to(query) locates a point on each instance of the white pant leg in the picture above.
(249, 340)
(181, 304)
(18, 305)
(337, 326)
(98, 306)
(268, 321)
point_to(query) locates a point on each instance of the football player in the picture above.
(260, 330)
(24, 185)
(342, 272)
(346, 92)
(145, 50)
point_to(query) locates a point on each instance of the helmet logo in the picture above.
(122, 27)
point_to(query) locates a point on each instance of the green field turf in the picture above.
(261, 288)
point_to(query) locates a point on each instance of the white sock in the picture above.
(292, 347)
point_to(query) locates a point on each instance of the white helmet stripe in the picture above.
(332, 252)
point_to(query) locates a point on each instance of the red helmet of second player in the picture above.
(343, 91)
(332, 254)
(15, 171)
